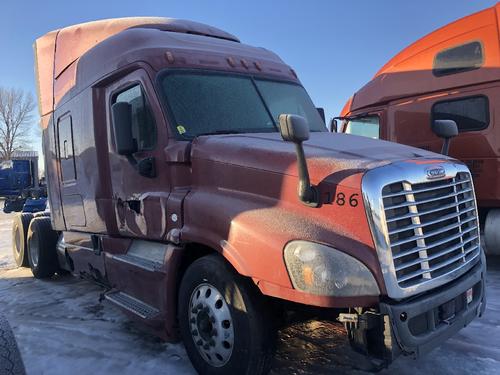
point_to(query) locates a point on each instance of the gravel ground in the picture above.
(61, 328)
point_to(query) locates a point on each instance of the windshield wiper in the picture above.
(218, 132)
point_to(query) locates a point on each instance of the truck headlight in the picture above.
(325, 271)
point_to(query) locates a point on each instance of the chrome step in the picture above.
(146, 264)
(132, 305)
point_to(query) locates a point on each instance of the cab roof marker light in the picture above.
(231, 62)
(170, 57)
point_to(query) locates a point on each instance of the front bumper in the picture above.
(421, 324)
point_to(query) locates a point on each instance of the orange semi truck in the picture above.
(191, 176)
(451, 74)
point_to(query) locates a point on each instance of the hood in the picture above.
(327, 153)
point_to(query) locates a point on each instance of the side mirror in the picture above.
(295, 129)
(321, 112)
(333, 126)
(121, 114)
(445, 129)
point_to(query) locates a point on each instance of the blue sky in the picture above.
(335, 46)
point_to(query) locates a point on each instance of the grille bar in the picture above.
(432, 227)
(435, 256)
(421, 213)
(430, 200)
(431, 222)
(417, 249)
(435, 232)
(423, 190)
(441, 265)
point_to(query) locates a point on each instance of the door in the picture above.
(72, 201)
(139, 201)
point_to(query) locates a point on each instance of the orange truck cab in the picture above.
(191, 176)
(451, 74)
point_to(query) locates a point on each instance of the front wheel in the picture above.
(223, 320)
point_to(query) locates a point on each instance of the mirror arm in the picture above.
(446, 146)
(308, 194)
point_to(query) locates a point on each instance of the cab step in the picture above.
(133, 305)
(133, 260)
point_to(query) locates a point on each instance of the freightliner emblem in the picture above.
(435, 172)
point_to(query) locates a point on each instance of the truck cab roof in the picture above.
(427, 65)
(108, 45)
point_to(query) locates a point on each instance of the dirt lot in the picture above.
(61, 328)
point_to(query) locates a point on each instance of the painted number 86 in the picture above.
(341, 199)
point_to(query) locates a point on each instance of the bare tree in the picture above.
(16, 114)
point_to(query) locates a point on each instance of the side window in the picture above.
(143, 126)
(66, 150)
(364, 126)
(470, 113)
(458, 59)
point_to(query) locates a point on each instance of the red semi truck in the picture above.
(451, 74)
(192, 177)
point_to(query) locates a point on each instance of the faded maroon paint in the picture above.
(56, 67)
(157, 288)
(234, 194)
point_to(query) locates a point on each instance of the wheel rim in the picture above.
(211, 325)
(34, 250)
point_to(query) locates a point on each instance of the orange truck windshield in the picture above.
(364, 126)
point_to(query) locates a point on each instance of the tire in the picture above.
(20, 226)
(226, 330)
(41, 214)
(42, 241)
(10, 359)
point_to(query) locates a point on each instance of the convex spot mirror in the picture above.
(333, 126)
(121, 114)
(321, 112)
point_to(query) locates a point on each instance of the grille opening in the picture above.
(432, 227)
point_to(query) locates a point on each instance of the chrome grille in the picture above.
(432, 227)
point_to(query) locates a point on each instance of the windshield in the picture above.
(203, 103)
(364, 126)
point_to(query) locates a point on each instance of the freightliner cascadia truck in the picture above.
(192, 177)
(451, 74)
